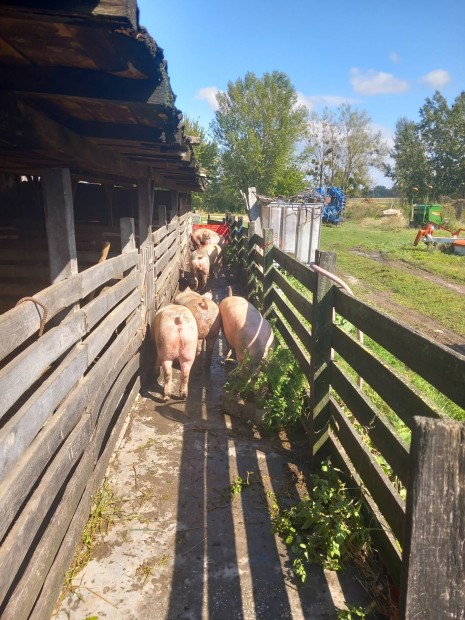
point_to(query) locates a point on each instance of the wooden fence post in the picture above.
(433, 559)
(248, 258)
(322, 320)
(267, 294)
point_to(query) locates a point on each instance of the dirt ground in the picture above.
(186, 547)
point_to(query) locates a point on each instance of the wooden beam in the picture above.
(433, 560)
(28, 130)
(59, 221)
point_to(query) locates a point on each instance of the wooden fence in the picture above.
(65, 396)
(354, 425)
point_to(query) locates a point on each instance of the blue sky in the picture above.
(383, 57)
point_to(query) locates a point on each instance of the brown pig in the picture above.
(175, 332)
(244, 328)
(207, 315)
(204, 236)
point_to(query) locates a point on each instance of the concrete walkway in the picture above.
(185, 547)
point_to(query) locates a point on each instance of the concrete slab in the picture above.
(185, 548)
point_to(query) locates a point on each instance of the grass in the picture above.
(378, 261)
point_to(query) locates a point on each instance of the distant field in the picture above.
(384, 268)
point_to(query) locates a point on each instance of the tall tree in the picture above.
(342, 146)
(362, 148)
(207, 155)
(258, 125)
(443, 131)
(411, 172)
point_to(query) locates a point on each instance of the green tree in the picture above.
(257, 126)
(207, 155)
(443, 132)
(411, 171)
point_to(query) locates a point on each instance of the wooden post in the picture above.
(322, 321)
(250, 247)
(433, 559)
(59, 222)
(174, 209)
(128, 235)
(267, 294)
(145, 210)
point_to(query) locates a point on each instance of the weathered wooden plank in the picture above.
(403, 399)
(25, 593)
(111, 269)
(292, 344)
(384, 541)
(377, 483)
(297, 299)
(22, 599)
(37, 275)
(439, 365)
(102, 334)
(111, 403)
(300, 272)
(59, 221)
(19, 323)
(19, 539)
(54, 580)
(322, 325)
(107, 378)
(161, 263)
(381, 433)
(25, 473)
(17, 376)
(433, 562)
(107, 300)
(20, 430)
(159, 234)
(165, 244)
(295, 323)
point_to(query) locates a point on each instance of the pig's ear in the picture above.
(208, 295)
(188, 288)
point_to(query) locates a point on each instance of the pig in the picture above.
(200, 268)
(207, 316)
(204, 236)
(175, 333)
(204, 263)
(244, 328)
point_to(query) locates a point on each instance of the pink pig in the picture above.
(204, 263)
(244, 328)
(175, 333)
(204, 236)
(207, 316)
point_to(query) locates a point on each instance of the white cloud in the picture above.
(208, 94)
(330, 101)
(394, 56)
(376, 82)
(437, 78)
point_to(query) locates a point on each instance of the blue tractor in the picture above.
(335, 202)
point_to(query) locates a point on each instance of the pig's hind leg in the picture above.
(185, 371)
(167, 366)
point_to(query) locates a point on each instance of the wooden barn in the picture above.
(95, 182)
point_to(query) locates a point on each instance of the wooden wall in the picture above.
(66, 394)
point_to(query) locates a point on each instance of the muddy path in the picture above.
(413, 318)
